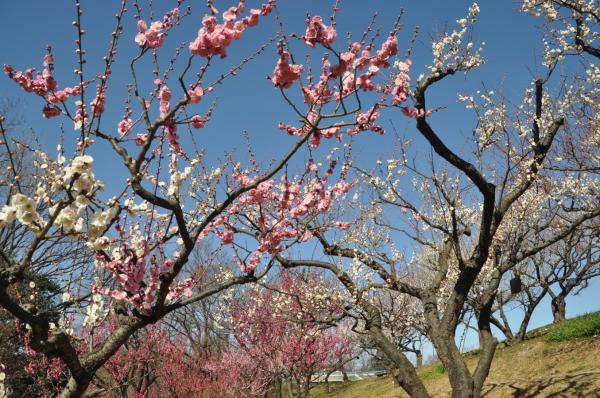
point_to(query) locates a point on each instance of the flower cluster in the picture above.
(389, 48)
(44, 85)
(572, 26)
(183, 288)
(454, 50)
(153, 36)
(401, 90)
(124, 126)
(285, 73)
(278, 210)
(366, 121)
(318, 32)
(278, 331)
(213, 38)
(24, 210)
(95, 311)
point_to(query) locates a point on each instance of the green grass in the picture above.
(582, 326)
(432, 372)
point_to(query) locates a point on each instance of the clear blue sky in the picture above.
(249, 102)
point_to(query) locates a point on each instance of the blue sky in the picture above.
(249, 102)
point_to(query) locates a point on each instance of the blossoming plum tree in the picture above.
(472, 218)
(143, 231)
(465, 214)
(283, 330)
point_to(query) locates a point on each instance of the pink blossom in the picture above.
(151, 37)
(363, 61)
(166, 266)
(389, 48)
(252, 263)
(50, 111)
(174, 14)
(141, 139)
(267, 8)
(331, 133)
(213, 39)
(343, 225)
(318, 32)
(183, 288)
(171, 130)
(346, 59)
(97, 104)
(227, 237)
(319, 93)
(231, 14)
(42, 84)
(118, 295)
(400, 91)
(164, 97)
(366, 121)
(252, 19)
(285, 73)
(124, 126)
(291, 130)
(197, 122)
(63, 95)
(80, 117)
(413, 112)
(196, 95)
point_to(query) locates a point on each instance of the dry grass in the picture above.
(534, 368)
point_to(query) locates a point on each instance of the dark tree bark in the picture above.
(559, 308)
(419, 356)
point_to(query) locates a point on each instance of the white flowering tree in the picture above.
(470, 218)
(572, 26)
(561, 270)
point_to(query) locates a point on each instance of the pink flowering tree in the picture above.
(153, 362)
(142, 229)
(284, 330)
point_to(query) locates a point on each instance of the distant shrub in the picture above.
(582, 326)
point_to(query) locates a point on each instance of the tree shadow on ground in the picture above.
(579, 385)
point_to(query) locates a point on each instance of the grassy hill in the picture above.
(555, 361)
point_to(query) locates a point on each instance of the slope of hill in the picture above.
(552, 362)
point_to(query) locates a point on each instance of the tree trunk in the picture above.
(559, 308)
(279, 388)
(74, 389)
(488, 344)
(289, 388)
(504, 329)
(458, 372)
(419, 355)
(405, 374)
(306, 391)
(524, 323)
